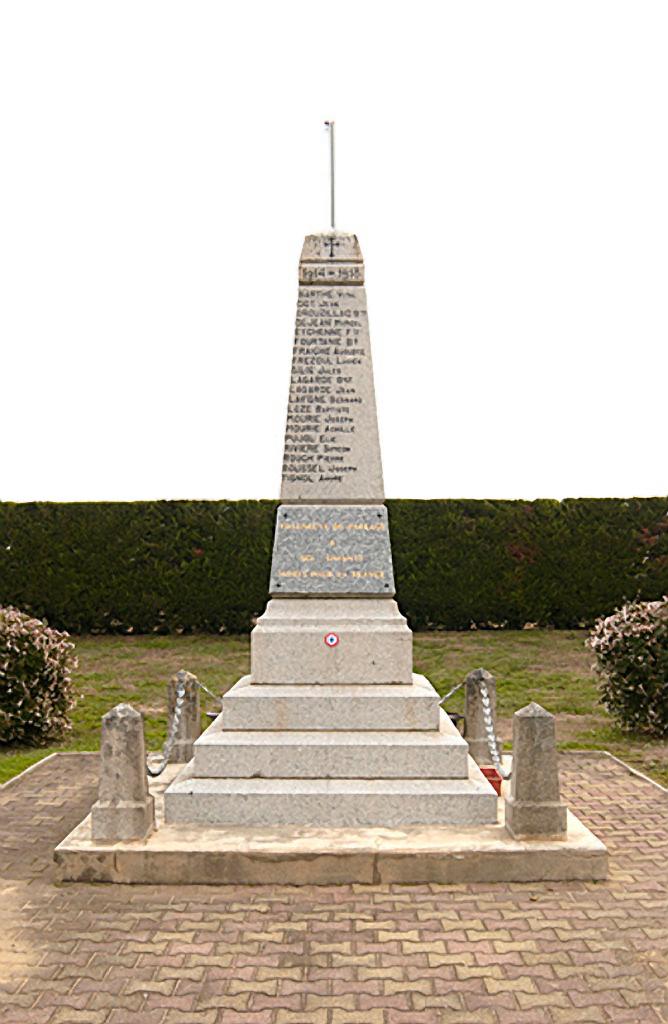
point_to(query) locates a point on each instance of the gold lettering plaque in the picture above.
(332, 549)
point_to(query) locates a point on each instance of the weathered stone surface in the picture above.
(124, 809)
(190, 722)
(334, 708)
(317, 732)
(225, 753)
(332, 452)
(331, 247)
(332, 549)
(331, 273)
(374, 644)
(330, 803)
(534, 807)
(303, 855)
(294, 855)
(476, 736)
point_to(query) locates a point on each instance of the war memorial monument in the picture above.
(331, 761)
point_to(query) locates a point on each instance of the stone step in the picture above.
(331, 803)
(349, 707)
(225, 753)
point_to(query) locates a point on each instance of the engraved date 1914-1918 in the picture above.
(349, 273)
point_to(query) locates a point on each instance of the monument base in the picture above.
(230, 855)
(305, 730)
(132, 819)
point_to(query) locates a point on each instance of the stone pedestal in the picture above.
(534, 807)
(476, 735)
(331, 728)
(374, 643)
(190, 723)
(124, 809)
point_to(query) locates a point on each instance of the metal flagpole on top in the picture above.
(330, 128)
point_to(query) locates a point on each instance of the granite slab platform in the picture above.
(179, 854)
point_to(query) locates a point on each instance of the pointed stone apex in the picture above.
(124, 809)
(477, 674)
(189, 725)
(533, 710)
(334, 258)
(534, 807)
(183, 677)
(122, 712)
(474, 714)
(331, 247)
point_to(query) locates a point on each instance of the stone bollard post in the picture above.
(124, 808)
(534, 807)
(476, 736)
(190, 723)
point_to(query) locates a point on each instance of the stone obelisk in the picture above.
(332, 617)
(331, 728)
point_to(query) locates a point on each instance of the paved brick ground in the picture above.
(102, 954)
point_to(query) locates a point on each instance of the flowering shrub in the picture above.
(631, 648)
(35, 679)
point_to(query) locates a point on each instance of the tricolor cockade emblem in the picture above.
(331, 639)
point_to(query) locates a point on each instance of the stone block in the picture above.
(306, 708)
(331, 246)
(190, 722)
(374, 643)
(332, 452)
(330, 803)
(124, 808)
(476, 735)
(533, 807)
(225, 753)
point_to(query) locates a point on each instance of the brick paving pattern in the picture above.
(426, 954)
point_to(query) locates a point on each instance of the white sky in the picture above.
(505, 166)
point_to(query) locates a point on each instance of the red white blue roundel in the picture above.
(331, 639)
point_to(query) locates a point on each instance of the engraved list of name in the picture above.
(331, 440)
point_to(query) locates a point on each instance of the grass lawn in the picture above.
(551, 667)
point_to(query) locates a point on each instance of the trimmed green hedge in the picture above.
(164, 566)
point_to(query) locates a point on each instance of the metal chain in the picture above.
(181, 696)
(174, 726)
(489, 729)
(216, 696)
(450, 693)
(487, 721)
(171, 735)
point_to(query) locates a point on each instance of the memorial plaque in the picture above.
(332, 452)
(332, 549)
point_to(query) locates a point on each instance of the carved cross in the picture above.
(333, 244)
